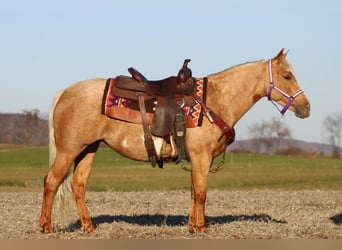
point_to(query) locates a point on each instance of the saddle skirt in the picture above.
(122, 105)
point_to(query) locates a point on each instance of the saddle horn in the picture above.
(184, 73)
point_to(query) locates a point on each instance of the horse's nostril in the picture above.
(308, 106)
(302, 111)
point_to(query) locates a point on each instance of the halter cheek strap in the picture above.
(272, 86)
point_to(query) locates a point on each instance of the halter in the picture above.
(272, 86)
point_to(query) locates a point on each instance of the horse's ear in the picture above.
(280, 55)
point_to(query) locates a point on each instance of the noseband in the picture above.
(272, 86)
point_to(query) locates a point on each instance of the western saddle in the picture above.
(168, 123)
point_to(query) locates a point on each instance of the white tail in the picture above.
(52, 143)
(63, 200)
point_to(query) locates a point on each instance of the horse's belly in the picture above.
(127, 139)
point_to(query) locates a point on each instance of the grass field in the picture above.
(25, 167)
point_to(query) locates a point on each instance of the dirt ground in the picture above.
(164, 215)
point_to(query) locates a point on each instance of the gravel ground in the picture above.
(164, 215)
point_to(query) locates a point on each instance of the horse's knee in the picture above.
(200, 197)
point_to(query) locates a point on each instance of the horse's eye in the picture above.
(287, 76)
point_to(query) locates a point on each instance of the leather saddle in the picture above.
(168, 93)
(182, 84)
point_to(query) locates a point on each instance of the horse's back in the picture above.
(82, 94)
(87, 87)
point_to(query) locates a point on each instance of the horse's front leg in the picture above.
(199, 180)
(192, 216)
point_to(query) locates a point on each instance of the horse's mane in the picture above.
(234, 67)
(284, 61)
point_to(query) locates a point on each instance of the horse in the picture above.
(76, 128)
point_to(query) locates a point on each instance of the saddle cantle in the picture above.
(167, 93)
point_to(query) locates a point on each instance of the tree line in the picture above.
(24, 128)
(267, 135)
(28, 128)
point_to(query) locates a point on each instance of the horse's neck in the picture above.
(231, 93)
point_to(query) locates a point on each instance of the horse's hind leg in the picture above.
(52, 180)
(83, 165)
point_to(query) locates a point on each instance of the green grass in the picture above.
(248, 171)
(25, 168)
(12, 183)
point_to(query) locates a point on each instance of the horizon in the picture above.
(45, 117)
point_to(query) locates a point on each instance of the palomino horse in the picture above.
(77, 127)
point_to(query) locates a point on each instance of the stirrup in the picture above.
(166, 151)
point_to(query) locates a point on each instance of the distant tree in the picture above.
(31, 124)
(24, 128)
(267, 135)
(333, 132)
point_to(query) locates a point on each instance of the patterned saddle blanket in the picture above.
(116, 106)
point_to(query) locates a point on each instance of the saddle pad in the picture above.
(128, 110)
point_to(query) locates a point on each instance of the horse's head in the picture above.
(283, 87)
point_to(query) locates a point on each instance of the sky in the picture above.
(45, 46)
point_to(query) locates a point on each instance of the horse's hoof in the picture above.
(192, 230)
(46, 230)
(88, 229)
(204, 230)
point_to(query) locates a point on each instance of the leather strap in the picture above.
(227, 131)
(151, 151)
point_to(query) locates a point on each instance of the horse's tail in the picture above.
(63, 197)
(52, 142)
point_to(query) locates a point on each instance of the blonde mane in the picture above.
(234, 67)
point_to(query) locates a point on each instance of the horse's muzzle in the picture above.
(302, 111)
